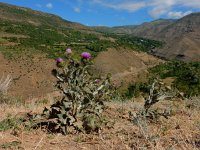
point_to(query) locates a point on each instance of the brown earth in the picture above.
(180, 132)
(125, 65)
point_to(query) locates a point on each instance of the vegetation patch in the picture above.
(157, 93)
(50, 40)
(187, 76)
(186, 79)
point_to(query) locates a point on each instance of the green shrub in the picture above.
(135, 89)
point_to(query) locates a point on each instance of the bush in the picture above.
(133, 90)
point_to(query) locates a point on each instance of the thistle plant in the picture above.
(82, 104)
(157, 92)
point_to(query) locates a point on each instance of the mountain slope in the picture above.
(22, 28)
(26, 15)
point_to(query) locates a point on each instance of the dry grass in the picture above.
(181, 131)
(5, 83)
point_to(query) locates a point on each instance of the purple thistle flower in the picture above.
(86, 55)
(59, 60)
(68, 51)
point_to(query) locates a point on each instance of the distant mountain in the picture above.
(181, 37)
(118, 29)
(139, 30)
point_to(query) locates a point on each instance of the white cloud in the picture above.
(156, 8)
(130, 6)
(158, 11)
(166, 7)
(49, 5)
(190, 3)
(159, 8)
(77, 10)
(178, 14)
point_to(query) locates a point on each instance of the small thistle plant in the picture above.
(82, 104)
(157, 92)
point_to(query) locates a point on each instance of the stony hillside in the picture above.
(182, 39)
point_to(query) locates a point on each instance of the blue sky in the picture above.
(112, 12)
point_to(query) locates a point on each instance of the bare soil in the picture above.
(32, 74)
(125, 65)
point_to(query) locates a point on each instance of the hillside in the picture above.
(22, 28)
(31, 40)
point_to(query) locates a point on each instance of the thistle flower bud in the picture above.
(86, 55)
(59, 60)
(68, 51)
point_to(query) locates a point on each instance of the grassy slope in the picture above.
(51, 34)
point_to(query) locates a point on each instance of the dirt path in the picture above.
(124, 65)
